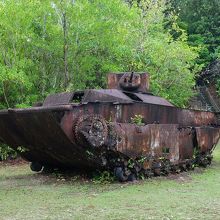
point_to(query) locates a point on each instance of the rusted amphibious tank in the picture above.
(123, 128)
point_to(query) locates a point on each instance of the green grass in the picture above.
(27, 195)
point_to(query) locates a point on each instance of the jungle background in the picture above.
(52, 46)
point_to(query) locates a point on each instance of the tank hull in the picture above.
(49, 134)
(123, 128)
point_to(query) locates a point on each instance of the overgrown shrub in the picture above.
(6, 152)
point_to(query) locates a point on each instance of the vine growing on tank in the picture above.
(138, 120)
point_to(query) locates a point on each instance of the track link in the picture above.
(127, 170)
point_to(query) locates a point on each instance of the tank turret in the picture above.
(135, 82)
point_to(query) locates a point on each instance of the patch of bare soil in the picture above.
(13, 162)
(185, 177)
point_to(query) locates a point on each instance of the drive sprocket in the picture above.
(91, 130)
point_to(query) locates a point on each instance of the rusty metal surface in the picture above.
(153, 99)
(186, 143)
(115, 95)
(152, 113)
(41, 134)
(114, 79)
(60, 108)
(24, 128)
(207, 137)
(148, 140)
(62, 133)
(58, 99)
(105, 95)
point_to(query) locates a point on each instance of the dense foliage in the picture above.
(6, 152)
(59, 45)
(201, 20)
(54, 46)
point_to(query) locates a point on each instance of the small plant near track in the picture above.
(6, 152)
(22, 149)
(104, 177)
(138, 120)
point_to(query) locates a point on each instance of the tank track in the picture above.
(125, 169)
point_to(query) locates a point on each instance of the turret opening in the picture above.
(133, 96)
(77, 97)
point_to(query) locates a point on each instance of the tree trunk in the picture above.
(65, 52)
(5, 96)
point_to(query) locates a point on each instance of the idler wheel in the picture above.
(91, 130)
(36, 167)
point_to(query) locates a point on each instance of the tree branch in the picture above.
(5, 96)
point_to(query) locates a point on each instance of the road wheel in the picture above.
(36, 167)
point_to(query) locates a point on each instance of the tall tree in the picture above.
(52, 46)
(201, 20)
